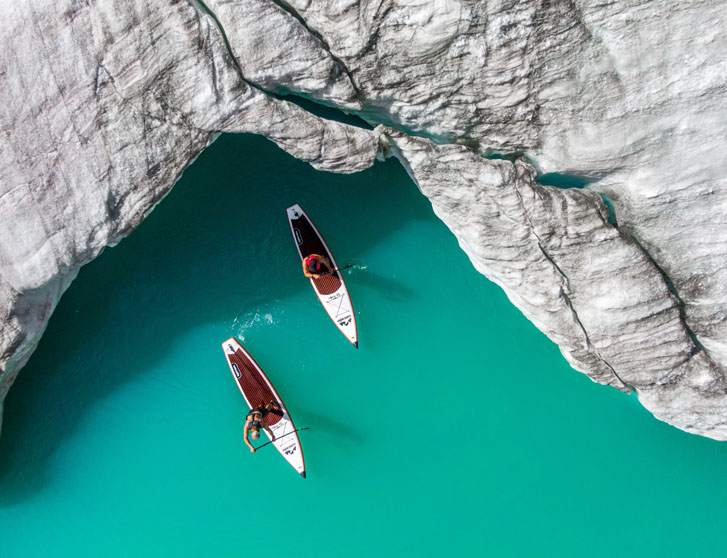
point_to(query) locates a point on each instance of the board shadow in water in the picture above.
(201, 257)
(388, 287)
(344, 436)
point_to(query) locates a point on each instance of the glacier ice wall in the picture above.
(105, 104)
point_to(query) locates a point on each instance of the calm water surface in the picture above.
(456, 429)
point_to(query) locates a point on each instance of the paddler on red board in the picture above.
(255, 419)
(316, 265)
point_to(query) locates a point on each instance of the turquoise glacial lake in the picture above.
(457, 428)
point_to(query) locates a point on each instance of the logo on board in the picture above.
(345, 321)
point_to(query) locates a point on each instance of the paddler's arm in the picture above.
(246, 434)
(307, 273)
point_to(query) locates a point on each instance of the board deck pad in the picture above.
(258, 392)
(330, 289)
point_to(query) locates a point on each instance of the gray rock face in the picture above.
(591, 288)
(277, 53)
(105, 104)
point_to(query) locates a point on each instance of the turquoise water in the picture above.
(456, 429)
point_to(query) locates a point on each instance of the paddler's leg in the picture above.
(267, 428)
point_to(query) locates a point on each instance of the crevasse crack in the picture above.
(592, 348)
(673, 291)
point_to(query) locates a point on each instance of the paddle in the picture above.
(283, 436)
(337, 269)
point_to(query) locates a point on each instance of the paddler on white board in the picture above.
(315, 265)
(255, 419)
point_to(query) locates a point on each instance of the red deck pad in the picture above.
(309, 244)
(328, 284)
(254, 386)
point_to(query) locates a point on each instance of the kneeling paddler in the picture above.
(315, 266)
(254, 420)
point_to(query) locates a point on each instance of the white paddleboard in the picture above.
(258, 392)
(330, 289)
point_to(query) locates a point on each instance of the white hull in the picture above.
(337, 304)
(287, 441)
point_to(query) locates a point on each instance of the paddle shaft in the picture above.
(337, 269)
(283, 436)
